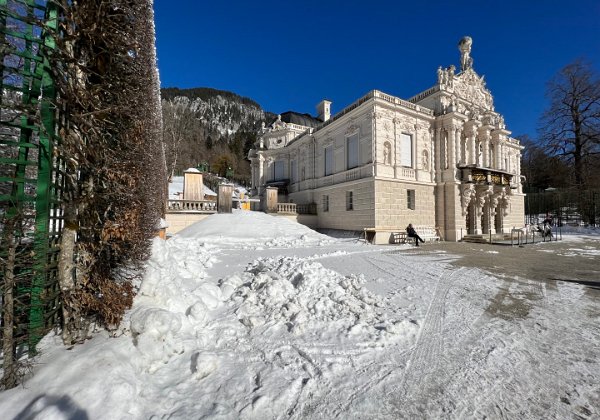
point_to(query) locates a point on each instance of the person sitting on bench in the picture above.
(412, 233)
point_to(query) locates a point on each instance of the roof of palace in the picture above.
(306, 120)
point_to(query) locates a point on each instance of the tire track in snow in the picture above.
(492, 394)
(424, 361)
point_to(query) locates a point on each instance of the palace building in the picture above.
(442, 158)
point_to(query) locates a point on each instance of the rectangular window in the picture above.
(328, 160)
(278, 170)
(293, 171)
(325, 203)
(406, 157)
(349, 200)
(352, 151)
(410, 199)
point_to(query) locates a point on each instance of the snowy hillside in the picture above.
(251, 316)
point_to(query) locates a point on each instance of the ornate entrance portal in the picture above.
(485, 200)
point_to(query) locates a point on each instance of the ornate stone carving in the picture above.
(351, 129)
(278, 124)
(425, 160)
(464, 45)
(500, 199)
(467, 194)
(470, 87)
(376, 115)
(387, 153)
(484, 194)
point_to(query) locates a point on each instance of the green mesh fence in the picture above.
(31, 179)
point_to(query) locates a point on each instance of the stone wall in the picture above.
(179, 221)
(391, 209)
(338, 217)
(516, 216)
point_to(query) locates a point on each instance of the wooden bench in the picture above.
(368, 234)
(427, 233)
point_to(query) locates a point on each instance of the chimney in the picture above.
(324, 110)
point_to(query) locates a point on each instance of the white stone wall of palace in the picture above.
(392, 208)
(338, 216)
(389, 124)
(515, 217)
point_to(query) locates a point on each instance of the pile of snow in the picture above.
(253, 230)
(298, 295)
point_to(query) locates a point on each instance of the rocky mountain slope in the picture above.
(205, 125)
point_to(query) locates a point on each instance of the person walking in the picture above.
(412, 233)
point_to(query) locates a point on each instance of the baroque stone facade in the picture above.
(443, 158)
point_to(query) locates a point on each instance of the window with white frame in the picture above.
(352, 151)
(349, 200)
(278, 168)
(406, 150)
(328, 153)
(410, 199)
(293, 171)
(325, 203)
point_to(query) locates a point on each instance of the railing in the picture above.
(297, 127)
(353, 174)
(289, 208)
(422, 95)
(372, 94)
(326, 181)
(402, 102)
(408, 173)
(174, 206)
(306, 208)
(345, 176)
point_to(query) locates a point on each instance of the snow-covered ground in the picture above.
(252, 316)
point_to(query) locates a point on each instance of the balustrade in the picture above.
(352, 175)
(408, 173)
(286, 208)
(174, 206)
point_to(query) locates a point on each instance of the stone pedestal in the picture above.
(193, 185)
(269, 200)
(224, 198)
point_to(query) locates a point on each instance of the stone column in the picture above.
(471, 132)
(457, 145)
(451, 152)
(431, 155)
(496, 136)
(518, 174)
(260, 176)
(473, 147)
(438, 155)
(484, 135)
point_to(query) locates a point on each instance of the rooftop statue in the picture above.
(466, 61)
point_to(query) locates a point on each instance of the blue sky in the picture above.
(288, 55)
